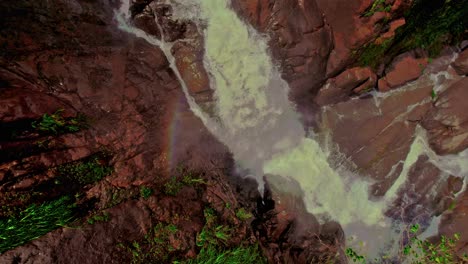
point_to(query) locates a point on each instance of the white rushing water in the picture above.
(261, 127)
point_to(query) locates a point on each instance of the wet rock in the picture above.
(300, 41)
(351, 82)
(447, 122)
(454, 221)
(375, 133)
(461, 63)
(404, 68)
(301, 238)
(431, 191)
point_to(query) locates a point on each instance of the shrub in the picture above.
(145, 192)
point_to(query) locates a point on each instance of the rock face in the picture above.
(461, 63)
(71, 55)
(350, 82)
(316, 40)
(300, 40)
(374, 135)
(447, 122)
(404, 69)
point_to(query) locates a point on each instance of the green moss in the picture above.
(429, 25)
(56, 124)
(145, 192)
(238, 255)
(86, 171)
(373, 53)
(175, 183)
(100, 217)
(243, 215)
(34, 222)
(155, 247)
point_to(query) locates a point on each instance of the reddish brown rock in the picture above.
(391, 31)
(405, 68)
(284, 218)
(430, 193)
(454, 221)
(447, 122)
(375, 133)
(299, 40)
(461, 63)
(137, 112)
(353, 81)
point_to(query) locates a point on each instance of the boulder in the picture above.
(353, 81)
(404, 68)
(461, 63)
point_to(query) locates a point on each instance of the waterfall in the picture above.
(260, 125)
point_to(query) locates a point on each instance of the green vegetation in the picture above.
(100, 217)
(355, 257)
(213, 233)
(429, 25)
(57, 124)
(372, 53)
(145, 192)
(433, 95)
(155, 248)
(157, 245)
(422, 251)
(238, 255)
(173, 186)
(243, 215)
(12, 203)
(213, 240)
(34, 222)
(377, 6)
(86, 171)
(119, 195)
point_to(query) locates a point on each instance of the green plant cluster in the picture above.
(213, 233)
(422, 251)
(145, 192)
(155, 248)
(173, 186)
(238, 255)
(12, 202)
(355, 257)
(100, 217)
(34, 222)
(425, 252)
(243, 215)
(85, 172)
(429, 25)
(57, 124)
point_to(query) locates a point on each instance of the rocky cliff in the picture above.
(78, 92)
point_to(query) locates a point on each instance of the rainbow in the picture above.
(171, 133)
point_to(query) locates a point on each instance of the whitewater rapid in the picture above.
(261, 127)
